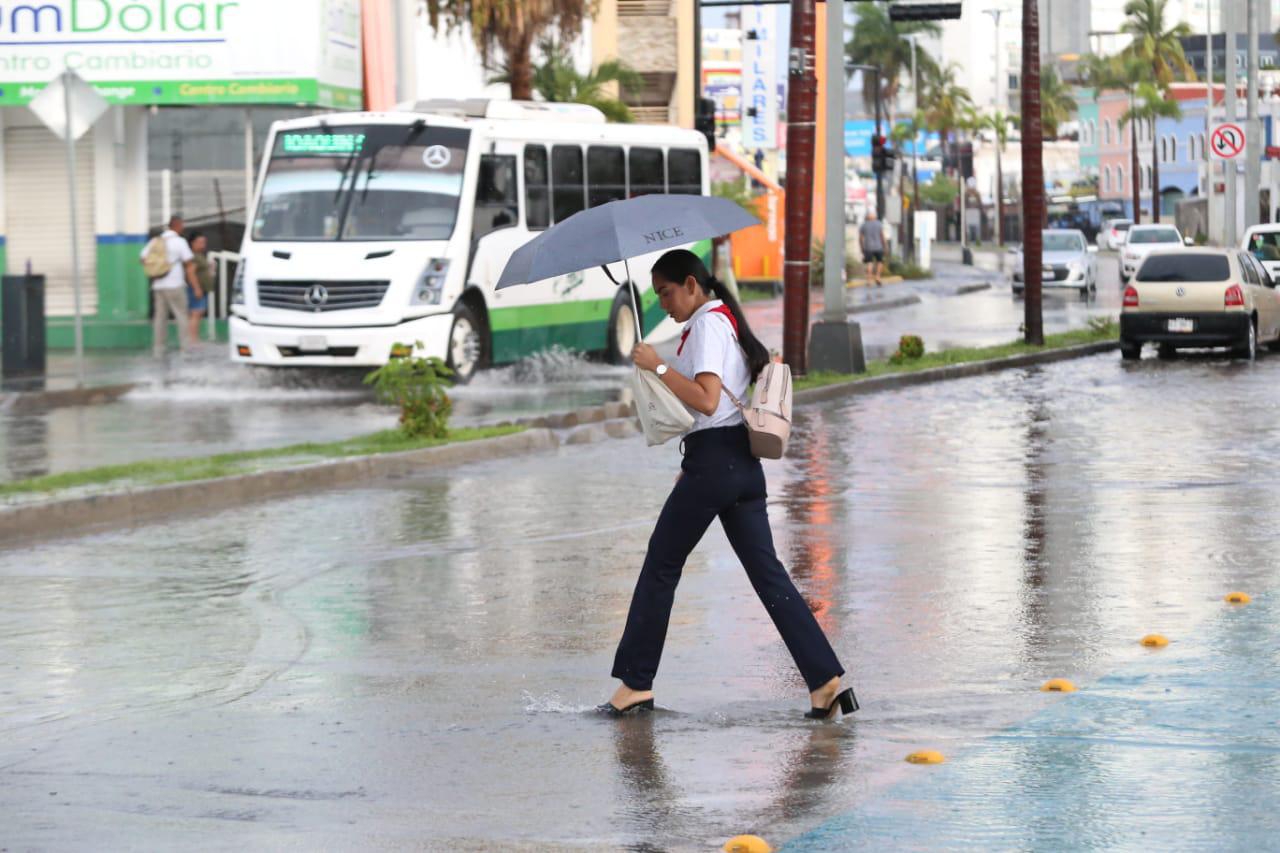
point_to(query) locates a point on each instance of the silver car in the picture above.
(1068, 263)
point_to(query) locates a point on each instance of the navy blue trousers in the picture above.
(720, 478)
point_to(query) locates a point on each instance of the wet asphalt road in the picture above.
(204, 405)
(411, 665)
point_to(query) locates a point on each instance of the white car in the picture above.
(1263, 242)
(1141, 241)
(1112, 233)
(1068, 263)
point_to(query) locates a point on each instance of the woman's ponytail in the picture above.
(679, 264)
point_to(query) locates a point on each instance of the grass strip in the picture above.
(161, 471)
(1095, 333)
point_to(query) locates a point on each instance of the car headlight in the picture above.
(237, 284)
(429, 287)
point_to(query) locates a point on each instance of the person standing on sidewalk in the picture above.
(169, 290)
(871, 239)
(719, 478)
(198, 300)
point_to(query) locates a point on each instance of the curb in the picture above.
(22, 402)
(951, 371)
(882, 305)
(134, 506)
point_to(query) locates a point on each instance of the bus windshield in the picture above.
(362, 182)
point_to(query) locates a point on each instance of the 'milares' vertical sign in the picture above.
(759, 77)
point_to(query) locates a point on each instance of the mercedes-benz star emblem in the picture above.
(316, 296)
(1181, 291)
(436, 157)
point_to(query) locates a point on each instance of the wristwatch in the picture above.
(661, 369)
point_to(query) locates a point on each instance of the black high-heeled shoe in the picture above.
(845, 699)
(611, 710)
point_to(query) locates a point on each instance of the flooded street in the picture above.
(413, 664)
(203, 404)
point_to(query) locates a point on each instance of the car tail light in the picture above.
(1234, 297)
(1131, 297)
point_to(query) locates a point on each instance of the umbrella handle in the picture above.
(635, 309)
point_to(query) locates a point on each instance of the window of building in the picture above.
(648, 171)
(1173, 149)
(684, 167)
(1106, 179)
(1164, 150)
(606, 174)
(537, 197)
(1119, 178)
(568, 189)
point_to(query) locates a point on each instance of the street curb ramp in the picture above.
(149, 503)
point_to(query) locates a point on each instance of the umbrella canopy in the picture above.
(620, 230)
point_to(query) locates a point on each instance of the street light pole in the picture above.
(915, 137)
(1208, 119)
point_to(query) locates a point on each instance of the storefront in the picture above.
(193, 87)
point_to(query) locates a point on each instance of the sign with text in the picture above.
(192, 52)
(759, 77)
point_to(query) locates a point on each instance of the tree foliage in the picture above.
(1156, 42)
(879, 41)
(557, 80)
(505, 31)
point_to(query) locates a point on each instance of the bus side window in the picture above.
(685, 171)
(606, 175)
(568, 191)
(537, 199)
(648, 172)
(497, 201)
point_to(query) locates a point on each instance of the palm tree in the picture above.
(1151, 105)
(1161, 48)
(557, 80)
(999, 123)
(511, 27)
(882, 42)
(1122, 73)
(1057, 102)
(948, 103)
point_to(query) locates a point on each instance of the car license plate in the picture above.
(1182, 324)
(313, 343)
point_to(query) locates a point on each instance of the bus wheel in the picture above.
(622, 329)
(466, 343)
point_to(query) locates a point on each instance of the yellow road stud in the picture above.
(1238, 598)
(926, 756)
(1058, 685)
(1155, 641)
(747, 844)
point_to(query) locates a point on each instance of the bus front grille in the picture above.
(317, 296)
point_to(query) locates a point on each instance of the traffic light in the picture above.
(899, 12)
(966, 160)
(705, 121)
(881, 155)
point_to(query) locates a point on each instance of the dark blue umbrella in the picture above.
(620, 230)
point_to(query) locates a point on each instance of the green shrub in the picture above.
(910, 348)
(417, 385)
(907, 269)
(818, 264)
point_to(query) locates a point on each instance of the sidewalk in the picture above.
(988, 257)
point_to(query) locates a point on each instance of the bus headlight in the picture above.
(429, 287)
(237, 284)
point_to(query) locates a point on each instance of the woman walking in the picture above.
(719, 478)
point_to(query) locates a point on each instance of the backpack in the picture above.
(769, 415)
(155, 263)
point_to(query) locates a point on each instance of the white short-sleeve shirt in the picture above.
(179, 253)
(710, 346)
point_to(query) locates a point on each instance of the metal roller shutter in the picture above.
(37, 227)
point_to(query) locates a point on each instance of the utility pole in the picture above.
(802, 96)
(1032, 174)
(915, 137)
(1229, 166)
(1000, 111)
(1252, 127)
(836, 343)
(1208, 119)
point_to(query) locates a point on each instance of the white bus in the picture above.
(376, 229)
